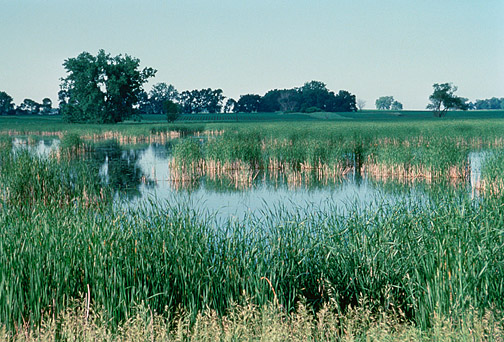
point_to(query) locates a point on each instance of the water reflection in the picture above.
(41, 147)
(143, 172)
(119, 168)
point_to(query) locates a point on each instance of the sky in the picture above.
(371, 48)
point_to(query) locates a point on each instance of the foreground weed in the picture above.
(253, 323)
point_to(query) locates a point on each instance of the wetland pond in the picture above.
(142, 173)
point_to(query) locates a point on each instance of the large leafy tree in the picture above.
(270, 101)
(171, 109)
(289, 100)
(6, 104)
(101, 88)
(229, 106)
(443, 99)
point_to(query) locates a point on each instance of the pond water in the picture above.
(142, 172)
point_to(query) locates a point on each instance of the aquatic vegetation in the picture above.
(438, 257)
(426, 264)
(28, 180)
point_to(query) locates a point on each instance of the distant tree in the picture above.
(212, 100)
(159, 94)
(172, 110)
(493, 103)
(229, 106)
(144, 106)
(28, 106)
(312, 97)
(201, 101)
(46, 106)
(6, 104)
(288, 100)
(396, 105)
(344, 102)
(101, 88)
(186, 100)
(443, 99)
(270, 101)
(248, 103)
(361, 104)
(384, 102)
(315, 94)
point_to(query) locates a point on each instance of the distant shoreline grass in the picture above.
(365, 123)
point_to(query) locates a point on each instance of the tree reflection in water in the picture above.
(119, 168)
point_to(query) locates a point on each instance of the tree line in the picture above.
(107, 89)
(311, 97)
(27, 107)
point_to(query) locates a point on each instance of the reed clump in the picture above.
(428, 160)
(330, 157)
(72, 145)
(5, 143)
(492, 174)
(28, 180)
(251, 152)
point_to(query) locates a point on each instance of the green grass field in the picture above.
(55, 123)
(322, 116)
(376, 123)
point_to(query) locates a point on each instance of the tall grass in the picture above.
(58, 242)
(329, 155)
(27, 180)
(493, 173)
(419, 158)
(439, 257)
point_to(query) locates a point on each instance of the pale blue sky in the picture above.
(370, 48)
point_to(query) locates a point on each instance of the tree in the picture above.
(493, 103)
(201, 101)
(361, 104)
(343, 102)
(248, 103)
(384, 102)
(159, 94)
(172, 110)
(46, 106)
(443, 99)
(230, 106)
(288, 100)
(6, 104)
(315, 95)
(212, 100)
(28, 106)
(101, 88)
(270, 101)
(396, 105)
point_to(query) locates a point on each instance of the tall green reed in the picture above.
(436, 257)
